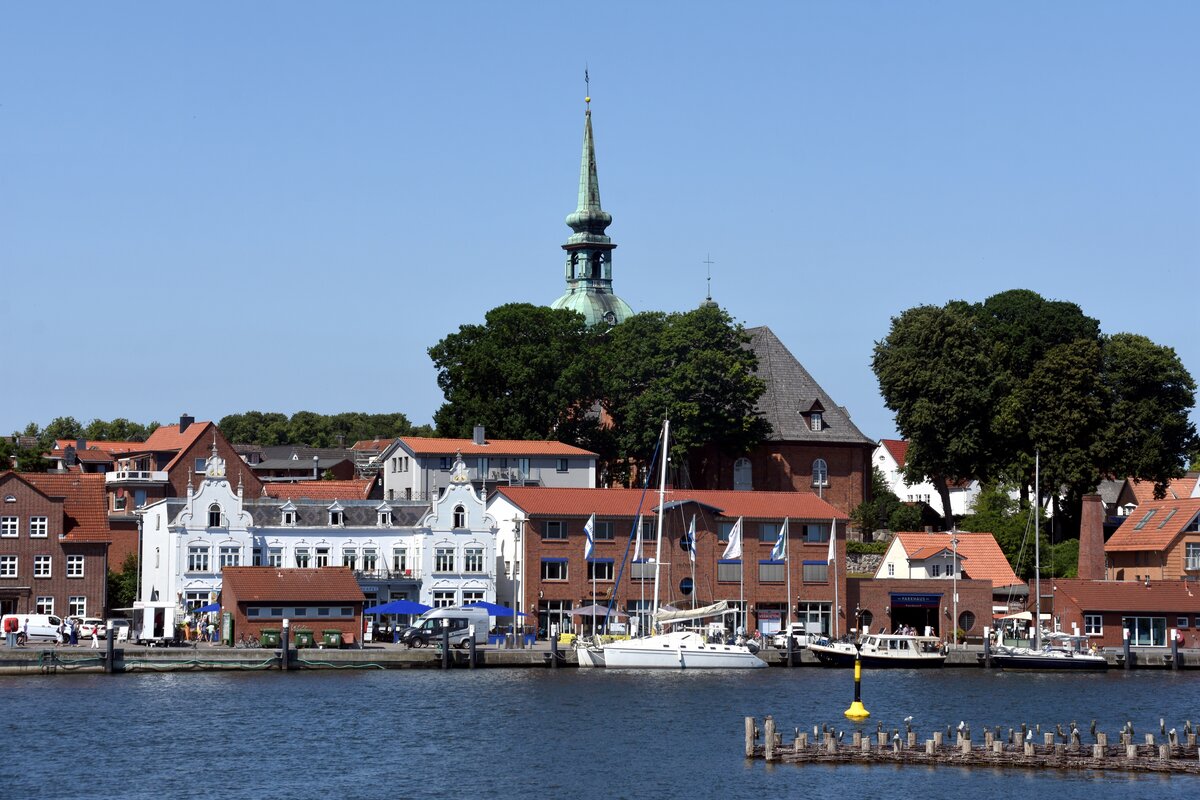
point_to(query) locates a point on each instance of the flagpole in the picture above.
(787, 568)
(837, 631)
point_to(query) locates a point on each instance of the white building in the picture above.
(889, 458)
(441, 553)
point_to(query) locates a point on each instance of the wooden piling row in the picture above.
(1170, 755)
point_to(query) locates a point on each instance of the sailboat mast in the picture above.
(662, 493)
(1037, 551)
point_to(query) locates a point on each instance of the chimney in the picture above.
(1091, 539)
(478, 437)
(80, 444)
(184, 421)
(316, 468)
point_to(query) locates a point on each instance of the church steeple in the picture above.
(589, 250)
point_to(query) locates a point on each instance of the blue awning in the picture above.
(398, 607)
(555, 560)
(494, 610)
(206, 609)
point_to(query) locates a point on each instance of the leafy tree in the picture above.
(693, 367)
(313, 429)
(885, 506)
(31, 460)
(526, 373)
(995, 511)
(934, 373)
(59, 428)
(118, 430)
(122, 586)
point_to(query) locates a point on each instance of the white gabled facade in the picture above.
(962, 496)
(439, 554)
(938, 563)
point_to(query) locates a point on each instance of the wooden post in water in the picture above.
(1098, 751)
(937, 738)
(1174, 649)
(987, 648)
(553, 647)
(929, 747)
(1131, 751)
(997, 746)
(749, 737)
(110, 648)
(789, 637)
(769, 738)
(912, 739)
(471, 648)
(285, 645)
(1102, 739)
(1125, 649)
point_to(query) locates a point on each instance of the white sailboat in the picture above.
(681, 647)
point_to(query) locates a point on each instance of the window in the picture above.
(554, 569)
(275, 557)
(554, 529)
(641, 570)
(200, 465)
(118, 502)
(41, 566)
(729, 571)
(936, 571)
(866, 618)
(1146, 631)
(214, 516)
(772, 572)
(289, 518)
(472, 596)
(1145, 519)
(648, 530)
(743, 475)
(39, 527)
(561, 465)
(1191, 557)
(473, 559)
(77, 604)
(9, 526)
(8, 566)
(724, 529)
(322, 559)
(604, 531)
(600, 569)
(443, 559)
(399, 560)
(443, 598)
(816, 572)
(302, 557)
(335, 517)
(139, 498)
(816, 533)
(370, 559)
(1181, 622)
(256, 557)
(820, 473)
(1093, 624)
(44, 605)
(350, 558)
(197, 560)
(444, 463)
(460, 517)
(385, 519)
(768, 532)
(814, 420)
(966, 621)
(230, 555)
(196, 598)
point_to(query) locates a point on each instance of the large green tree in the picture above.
(313, 429)
(526, 373)
(934, 373)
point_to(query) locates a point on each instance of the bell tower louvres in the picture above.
(589, 249)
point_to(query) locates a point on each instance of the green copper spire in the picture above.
(589, 250)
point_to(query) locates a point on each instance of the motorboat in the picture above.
(882, 650)
(1059, 651)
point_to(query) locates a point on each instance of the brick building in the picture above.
(1150, 609)
(316, 600)
(1159, 540)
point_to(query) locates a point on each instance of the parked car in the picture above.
(428, 629)
(122, 628)
(88, 625)
(799, 635)
(36, 627)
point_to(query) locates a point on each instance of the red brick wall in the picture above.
(351, 628)
(235, 468)
(874, 595)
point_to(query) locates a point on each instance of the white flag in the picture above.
(637, 539)
(588, 532)
(734, 548)
(780, 549)
(691, 539)
(832, 540)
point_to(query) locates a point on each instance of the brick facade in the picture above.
(891, 602)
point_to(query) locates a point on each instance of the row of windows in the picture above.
(743, 472)
(76, 605)
(553, 529)
(1143, 631)
(300, 612)
(43, 566)
(727, 571)
(367, 559)
(10, 527)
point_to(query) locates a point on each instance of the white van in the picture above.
(428, 629)
(42, 627)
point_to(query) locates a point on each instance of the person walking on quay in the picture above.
(74, 633)
(95, 637)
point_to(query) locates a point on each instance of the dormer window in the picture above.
(460, 517)
(289, 518)
(814, 420)
(214, 516)
(385, 519)
(336, 517)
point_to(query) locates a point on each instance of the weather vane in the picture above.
(587, 87)
(709, 262)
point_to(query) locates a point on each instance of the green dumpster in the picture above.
(269, 637)
(305, 638)
(331, 638)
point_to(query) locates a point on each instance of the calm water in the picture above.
(525, 733)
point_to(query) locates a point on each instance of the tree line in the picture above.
(310, 429)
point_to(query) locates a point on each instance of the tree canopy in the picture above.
(315, 430)
(979, 389)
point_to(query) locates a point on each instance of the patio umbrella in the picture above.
(208, 608)
(494, 610)
(398, 607)
(600, 611)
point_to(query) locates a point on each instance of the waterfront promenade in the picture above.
(49, 659)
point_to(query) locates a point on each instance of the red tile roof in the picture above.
(1177, 489)
(624, 502)
(898, 449)
(1161, 522)
(1160, 596)
(85, 502)
(97, 444)
(981, 555)
(358, 489)
(372, 445)
(426, 446)
(271, 584)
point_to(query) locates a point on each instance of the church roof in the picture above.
(792, 394)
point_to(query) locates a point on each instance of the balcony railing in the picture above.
(135, 476)
(385, 573)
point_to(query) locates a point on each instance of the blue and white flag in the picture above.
(691, 539)
(733, 550)
(588, 532)
(832, 540)
(779, 551)
(637, 539)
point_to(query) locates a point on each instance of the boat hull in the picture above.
(1049, 663)
(839, 658)
(673, 652)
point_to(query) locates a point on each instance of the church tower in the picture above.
(589, 250)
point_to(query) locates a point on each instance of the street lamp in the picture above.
(515, 574)
(954, 580)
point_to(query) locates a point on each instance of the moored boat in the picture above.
(1060, 651)
(882, 650)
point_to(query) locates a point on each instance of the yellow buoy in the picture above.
(856, 709)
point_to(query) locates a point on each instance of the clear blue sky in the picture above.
(219, 207)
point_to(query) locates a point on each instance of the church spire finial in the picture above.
(708, 262)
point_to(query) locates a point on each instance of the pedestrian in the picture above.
(74, 633)
(95, 637)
